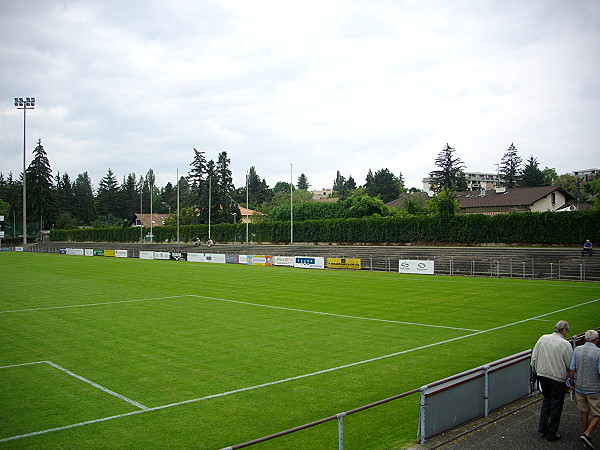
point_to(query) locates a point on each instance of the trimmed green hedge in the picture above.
(567, 228)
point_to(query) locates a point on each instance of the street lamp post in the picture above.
(24, 104)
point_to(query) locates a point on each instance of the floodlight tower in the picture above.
(24, 104)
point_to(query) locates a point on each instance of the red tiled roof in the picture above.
(249, 212)
(158, 220)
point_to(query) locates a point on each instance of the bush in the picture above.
(547, 228)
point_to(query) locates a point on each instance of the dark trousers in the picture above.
(554, 397)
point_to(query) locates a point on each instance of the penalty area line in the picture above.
(332, 369)
(334, 315)
(95, 304)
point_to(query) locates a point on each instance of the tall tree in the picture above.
(451, 175)
(302, 182)
(385, 184)
(11, 191)
(531, 175)
(64, 193)
(107, 200)
(350, 184)
(84, 209)
(226, 207)
(40, 187)
(338, 183)
(258, 190)
(129, 197)
(510, 166)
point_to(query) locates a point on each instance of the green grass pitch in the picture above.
(126, 353)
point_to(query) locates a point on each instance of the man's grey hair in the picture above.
(591, 335)
(561, 325)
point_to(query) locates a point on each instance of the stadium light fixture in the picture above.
(24, 104)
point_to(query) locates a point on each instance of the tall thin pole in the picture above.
(291, 207)
(151, 188)
(177, 210)
(141, 208)
(24, 104)
(24, 181)
(247, 208)
(209, 201)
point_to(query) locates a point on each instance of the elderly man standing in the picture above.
(550, 359)
(586, 362)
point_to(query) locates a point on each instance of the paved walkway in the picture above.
(514, 427)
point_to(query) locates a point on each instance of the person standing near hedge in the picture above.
(551, 359)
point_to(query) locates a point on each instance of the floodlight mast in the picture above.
(24, 104)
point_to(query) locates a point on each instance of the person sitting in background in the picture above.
(587, 248)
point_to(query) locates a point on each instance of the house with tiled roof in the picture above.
(250, 215)
(505, 200)
(144, 220)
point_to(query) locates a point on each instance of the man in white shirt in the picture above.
(550, 359)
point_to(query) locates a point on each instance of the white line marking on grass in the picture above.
(240, 302)
(93, 304)
(80, 378)
(170, 405)
(334, 315)
(97, 386)
(24, 364)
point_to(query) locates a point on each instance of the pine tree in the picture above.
(303, 182)
(510, 166)
(107, 196)
(531, 175)
(128, 198)
(41, 197)
(451, 175)
(84, 208)
(224, 192)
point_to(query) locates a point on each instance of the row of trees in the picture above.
(59, 202)
(512, 171)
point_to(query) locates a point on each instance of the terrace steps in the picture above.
(502, 261)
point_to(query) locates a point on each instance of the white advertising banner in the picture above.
(206, 257)
(89, 252)
(146, 254)
(18, 249)
(244, 259)
(195, 257)
(121, 253)
(284, 261)
(416, 266)
(309, 262)
(75, 251)
(162, 255)
(214, 258)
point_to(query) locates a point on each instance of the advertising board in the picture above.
(121, 253)
(425, 267)
(343, 263)
(284, 261)
(162, 255)
(146, 254)
(309, 262)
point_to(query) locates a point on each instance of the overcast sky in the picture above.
(307, 87)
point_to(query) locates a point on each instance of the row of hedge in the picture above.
(567, 228)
